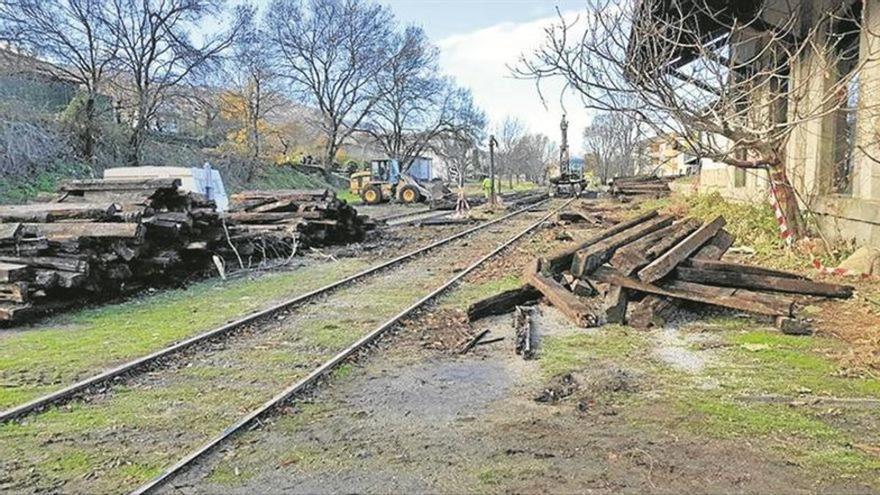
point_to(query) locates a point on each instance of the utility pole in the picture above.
(492, 144)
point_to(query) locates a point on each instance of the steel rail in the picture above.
(329, 365)
(70, 391)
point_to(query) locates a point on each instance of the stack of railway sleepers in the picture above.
(638, 185)
(101, 238)
(637, 270)
(292, 217)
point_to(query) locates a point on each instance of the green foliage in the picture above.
(22, 189)
(287, 177)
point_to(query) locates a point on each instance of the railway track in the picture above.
(147, 362)
(326, 367)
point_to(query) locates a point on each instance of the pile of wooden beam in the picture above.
(638, 185)
(292, 218)
(99, 238)
(637, 270)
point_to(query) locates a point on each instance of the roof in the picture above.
(666, 33)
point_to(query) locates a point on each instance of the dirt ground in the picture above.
(715, 402)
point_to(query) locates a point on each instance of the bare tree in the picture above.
(332, 52)
(253, 85)
(719, 75)
(612, 138)
(417, 106)
(157, 53)
(509, 134)
(72, 35)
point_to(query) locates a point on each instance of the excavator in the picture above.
(384, 182)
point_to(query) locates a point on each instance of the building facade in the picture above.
(833, 157)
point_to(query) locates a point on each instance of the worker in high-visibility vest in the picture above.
(487, 186)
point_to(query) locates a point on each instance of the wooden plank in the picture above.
(572, 306)
(562, 259)
(262, 218)
(611, 276)
(10, 272)
(502, 303)
(525, 325)
(53, 263)
(10, 232)
(665, 263)
(725, 266)
(638, 254)
(61, 231)
(50, 212)
(16, 292)
(764, 282)
(102, 185)
(588, 259)
(716, 247)
(714, 290)
(10, 311)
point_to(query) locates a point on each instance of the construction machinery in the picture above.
(570, 183)
(384, 182)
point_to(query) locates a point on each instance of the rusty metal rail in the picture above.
(313, 377)
(67, 393)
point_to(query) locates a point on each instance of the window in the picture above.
(845, 42)
(739, 177)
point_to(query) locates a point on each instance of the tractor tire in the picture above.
(372, 195)
(409, 195)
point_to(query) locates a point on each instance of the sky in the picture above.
(480, 39)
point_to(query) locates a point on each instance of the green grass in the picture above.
(559, 354)
(468, 292)
(64, 349)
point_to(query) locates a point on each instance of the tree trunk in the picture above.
(787, 199)
(89, 134)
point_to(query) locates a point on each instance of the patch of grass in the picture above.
(773, 363)
(795, 433)
(288, 177)
(510, 470)
(468, 293)
(572, 352)
(228, 475)
(71, 464)
(63, 349)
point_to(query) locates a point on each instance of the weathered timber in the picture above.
(51, 212)
(12, 311)
(271, 217)
(570, 305)
(716, 247)
(293, 194)
(770, 308)
(650, 311)
(102, 185)
(667, 261)
(525, 325)
(55, 263)
(573, 217)
(45, 279)
(502, 303)
(724, 266)
(10, 272)
(10, 232)
(782, 300)
(638, 254)
(58, 231)
(562, 259)
(444, 221)
(588, 259)
(470, 344)
(764, 282)
(16, 292)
